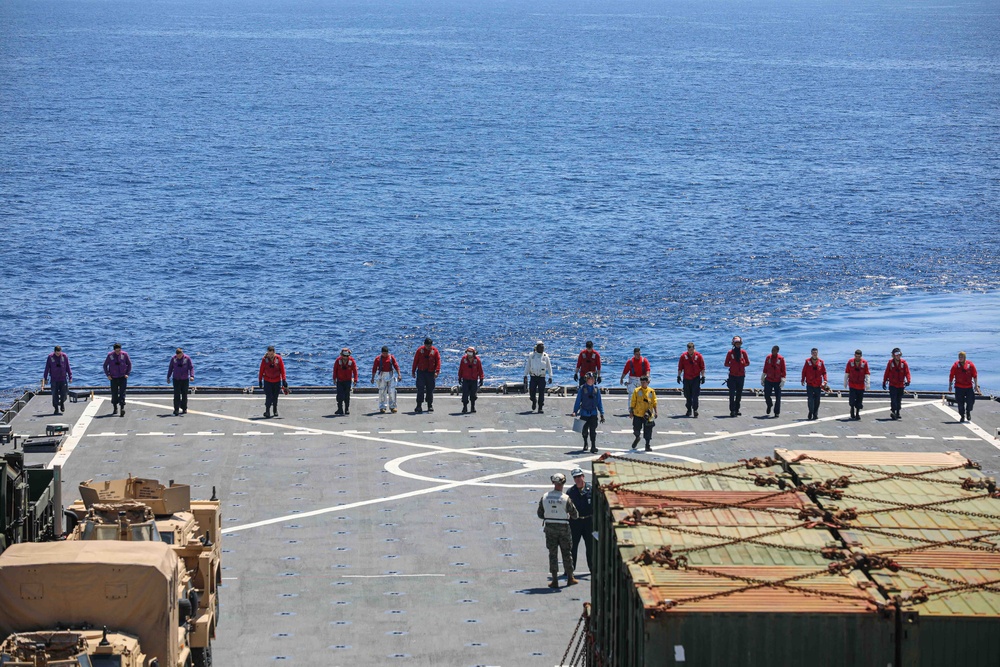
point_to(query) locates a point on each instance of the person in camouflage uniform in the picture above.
(555, 509)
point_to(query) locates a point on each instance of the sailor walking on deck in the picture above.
(271, 378)
(590, 408)
(588, 361)
(581, 494)
(636, 367)
(813, 379)
(537, 367)
(897, 377)
(57, 371)
(345, 376)
(857, 379)
(773, 380)
(556, 509)
(642, 410)
(386, 370)
(117, 368)
(470, 375)
(966, 382)
(737, 361)
(691, 372)
(181, 372)
(426, 368)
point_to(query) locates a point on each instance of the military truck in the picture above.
(27, 505)
(143, 510)
(54, 596)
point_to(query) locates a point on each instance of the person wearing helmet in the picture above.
(345, 375)
(691, 373)
(537, 367)
(470, 375)
(386, 369)
(642, 410)
(426, 368)
(588, 361)
(635, 368)
(857, 378)
(581, 494)
(897, 377)
(966, 382)
(555, 509)
(737, 361)
(270, 378)
(588, 405)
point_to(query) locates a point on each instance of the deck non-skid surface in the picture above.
(376, 539)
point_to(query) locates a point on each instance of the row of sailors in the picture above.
(426, 368)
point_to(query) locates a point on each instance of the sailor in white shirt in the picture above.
(536, 368)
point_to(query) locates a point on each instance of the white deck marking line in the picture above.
(816, 435)
(385, 576)
(208, 433)
(441, 430)
(76, 433)
(107, 434)
(396, 431)
(866, 436)
(479, 430)
(781, 427)
(520, 430)
(678, 433)
(155, 433)
(914, 437)
(958, 437)
(972, 426)
(770, 435)
(250, 433)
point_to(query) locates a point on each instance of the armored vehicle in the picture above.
(143, 510)
(53, 595)
(71, 648)
(27, 508)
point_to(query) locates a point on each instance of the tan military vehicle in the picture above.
(54, 594)
(71, 648)
(143, 510)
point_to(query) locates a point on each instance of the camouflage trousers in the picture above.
(558, 538)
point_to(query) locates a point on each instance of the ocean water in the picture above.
(223, 175)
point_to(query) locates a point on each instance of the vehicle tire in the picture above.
(202, 657)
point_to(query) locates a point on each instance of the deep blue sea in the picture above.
(222, 174)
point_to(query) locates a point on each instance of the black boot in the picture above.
(340, 409)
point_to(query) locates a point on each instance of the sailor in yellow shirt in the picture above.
(642, 410)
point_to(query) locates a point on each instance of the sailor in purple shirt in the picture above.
(58, 371)
(182, 371)
(117, 366)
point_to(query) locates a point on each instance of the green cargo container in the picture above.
(26, 502)
(755, 574)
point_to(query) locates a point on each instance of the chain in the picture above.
(573, 639)
(711, 504)
(956, 583)
(756, 539)
(934, 505)
(930, 544)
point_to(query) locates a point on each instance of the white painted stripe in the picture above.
(969, 425)
(866, 436)
(208, 433)
(716, 432)
(396, 431)
(959, 437)
(816, 435)
(444, 430)
(353, 432)
(253, 433)
(678, 433)
(770, 435)
(154, 433)
(523, 430)
(107, 434)
(914, 437)
(475, 430)
(76, 434)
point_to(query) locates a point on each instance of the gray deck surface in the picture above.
(412, 539)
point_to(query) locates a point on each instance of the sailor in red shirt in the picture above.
(386, 370)
(589, 361)
(966, 381)
(737, 362)
(345, 375)
(857, 379)
(897, 376)
(470, 375)
(691, 371)
(814, 380)
(271, 378)
(426, 368)
(773, 379)
(635, 368)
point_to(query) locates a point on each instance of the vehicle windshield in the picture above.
(145, 532)
(97, 531)
(104, 661)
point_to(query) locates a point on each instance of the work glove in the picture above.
(703, 379)
(621, 381)
(480, 382)
(884, 384)
(678, 379)
(260, 384)
(906, 384)
(576, 377)
(284, 383)
(602, 419)
(525, 379)
(598, 379)
(763, 378)
(782, 384)
(549, 381)
(373, 379)
(846, 376)
(868, 383)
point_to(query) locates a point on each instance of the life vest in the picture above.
(554, 507)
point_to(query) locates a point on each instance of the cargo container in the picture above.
(772, 562)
